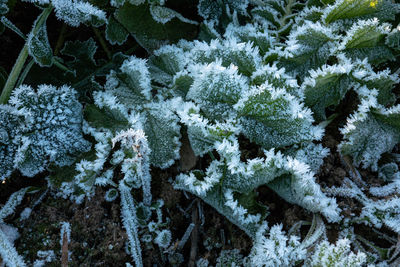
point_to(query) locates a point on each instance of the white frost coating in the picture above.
(293, 45)
(308, 192)
(275, 250)
(179, 57)
(215, 84)
(129, 221)
(363, 27)
(163, 15)
(65, 230)
(13, 201)
(139, 72)
(375, 213)
(137, 167)
(7, 250)
(238, 211)
(365, 137)
(163, 238)
(336, 255)
(244, 55)
(201, 186)
(45, 256)
(75, 12)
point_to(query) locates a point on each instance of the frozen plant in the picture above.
(41, 127)
(335, 255)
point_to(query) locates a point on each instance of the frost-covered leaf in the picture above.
(308, 47)
(336, 255)
(388, 171)
(10, 122)
(370, 131)
(210, 9)
(258, 35)
(290, 178)
(216, 89)
(229, 258)
(163, 238)
(346, 9)
(166, 62)
(115, 32)
(163, 14)
(13, 201)
(201, 132)
(367, 139)
(149, 33)
(273, 118)
(393, 38)
(3, 7)
(52, 130)
(383, 81)
(75, 12)
(326, 87)
(8, 252)
(230, 52)
(39, 47)
(311, 154)
(213, 10)
(131, 85)
(278, 15)
(299, 187)
(277, 249)
(236, 214)
(163, 133)
(130, 222)
(105, 117)
(365, 39)
(276, 77)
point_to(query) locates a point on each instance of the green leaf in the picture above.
(163, 134)
(249, 202)
(131, 85)
(393, 39)
(326, 87)
(81, 62)
(115, 32)
(347, 9)
(149, 33)
(274, 118)
(105, 118)
(39, 47)
(365, 39)
(216, 89)
(314, 44)
(366, 139)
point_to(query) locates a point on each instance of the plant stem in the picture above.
(25, 72)
(23, 55)
(102, 42)
(60, 40)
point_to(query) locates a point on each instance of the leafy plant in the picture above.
(252, 90)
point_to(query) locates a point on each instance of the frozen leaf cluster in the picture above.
(40, 127)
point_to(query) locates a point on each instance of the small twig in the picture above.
(64, 251)
(194, 239)
(65, 238)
